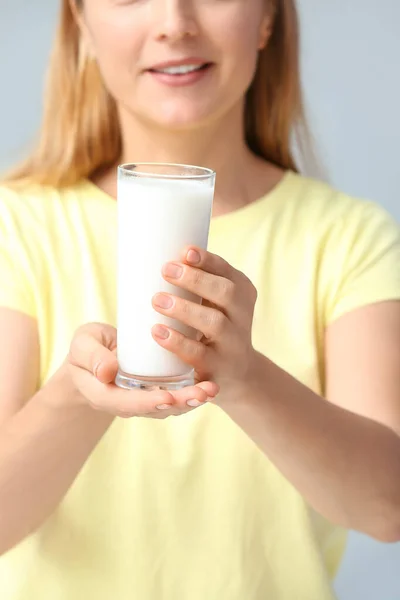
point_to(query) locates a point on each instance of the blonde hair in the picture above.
(80, 133)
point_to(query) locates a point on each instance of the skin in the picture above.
(354, 483)
(145, 33)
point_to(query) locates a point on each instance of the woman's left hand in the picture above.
(224, 354)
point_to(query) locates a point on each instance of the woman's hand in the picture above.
(92, 363)
(224, 353)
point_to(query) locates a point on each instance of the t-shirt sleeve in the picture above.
(362, 264)
(16, 291)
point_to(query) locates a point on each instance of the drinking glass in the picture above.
(161, 209)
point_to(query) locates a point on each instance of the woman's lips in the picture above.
(178, 75)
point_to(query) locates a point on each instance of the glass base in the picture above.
(135, 382)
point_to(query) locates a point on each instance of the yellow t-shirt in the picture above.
(189, 508)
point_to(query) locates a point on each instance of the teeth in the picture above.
(180, 69)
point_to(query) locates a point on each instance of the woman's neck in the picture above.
(241, 176)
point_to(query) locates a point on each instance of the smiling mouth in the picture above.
(181, 69)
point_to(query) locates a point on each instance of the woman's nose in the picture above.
(174, 20)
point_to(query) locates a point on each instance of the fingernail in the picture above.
(161, 332)
(163, 301)
(164, 407)
(193, 257)
(194, 403)
(173, 270)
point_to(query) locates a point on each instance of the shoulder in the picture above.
(34, 196)
(24, 205)
(354, 244)
(321, 198)
(320, 208)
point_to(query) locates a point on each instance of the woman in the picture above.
(246, 496)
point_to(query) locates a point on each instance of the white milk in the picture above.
(156, 220)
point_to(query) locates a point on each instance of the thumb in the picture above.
(93, 349)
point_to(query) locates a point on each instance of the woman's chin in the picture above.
(180, 119)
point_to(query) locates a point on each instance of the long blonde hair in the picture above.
(80, 133)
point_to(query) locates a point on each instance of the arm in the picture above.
(44, 442)
(38, 462)
(342, 455)
(35, 435)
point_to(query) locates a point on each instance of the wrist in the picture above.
(250, 386)
(62, 391)
(60, 395)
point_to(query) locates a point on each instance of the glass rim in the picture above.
(134, 169)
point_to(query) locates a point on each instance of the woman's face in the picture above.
(176, 63)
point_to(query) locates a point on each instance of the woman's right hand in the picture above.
(93, 366)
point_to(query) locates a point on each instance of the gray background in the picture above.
(351, 68)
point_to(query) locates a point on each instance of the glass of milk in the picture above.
(161, 209)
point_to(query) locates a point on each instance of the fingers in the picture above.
(195, 396)
(192, 352)
(213, 279)
(138, 403)
(115, 401)
(210, 388)
(212, 323)
(217, 290)
(211, 263)
(93, 360)
(93, 349)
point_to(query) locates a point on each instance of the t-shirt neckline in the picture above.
(274, 192)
